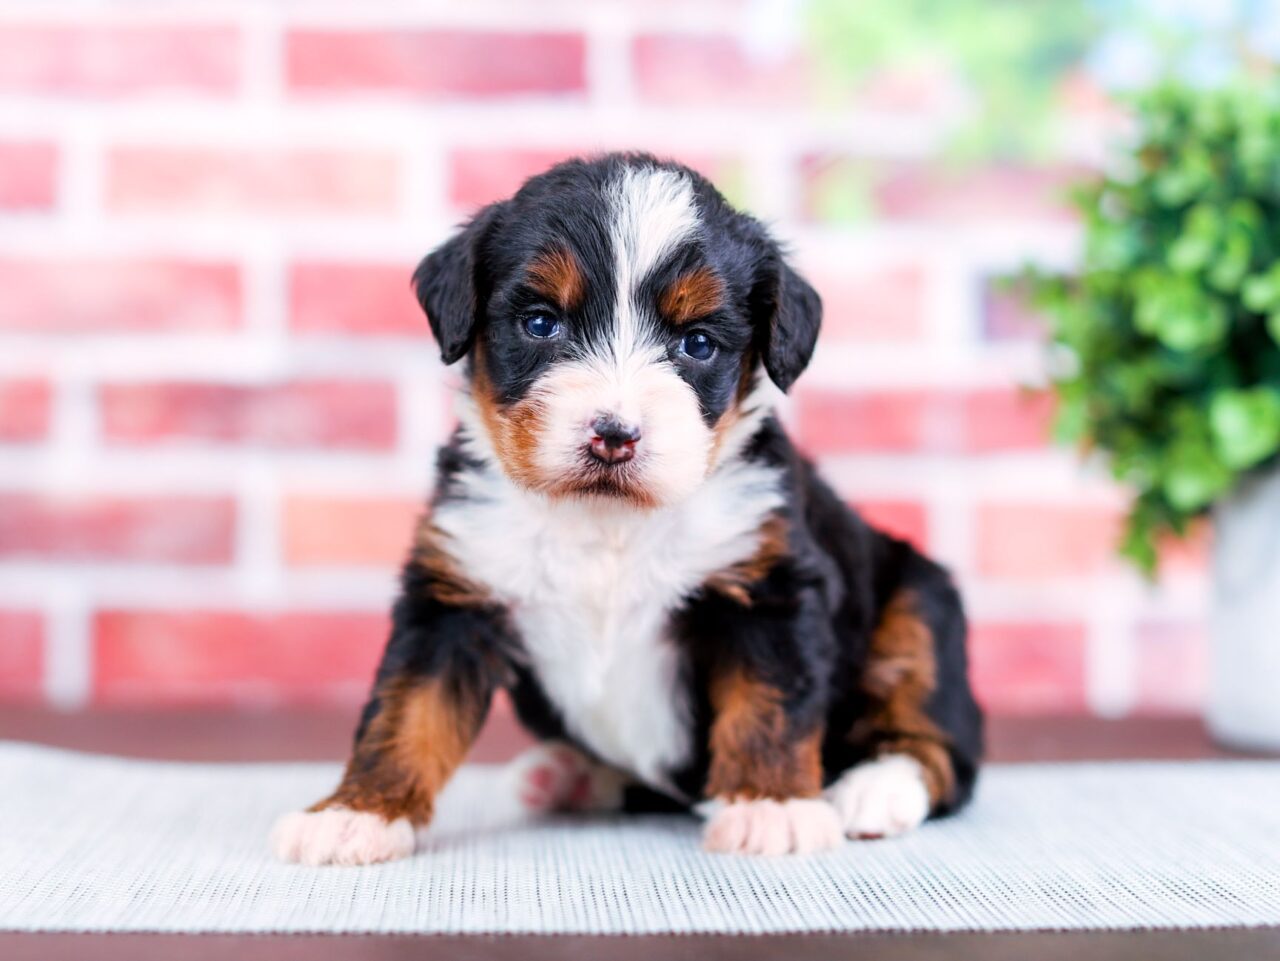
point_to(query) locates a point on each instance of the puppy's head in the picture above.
(616, 314)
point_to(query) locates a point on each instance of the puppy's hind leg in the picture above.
(921, 737)
(881, 798)
(555, 776)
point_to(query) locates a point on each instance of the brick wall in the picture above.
(218, 401)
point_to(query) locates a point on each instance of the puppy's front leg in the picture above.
(765, 775)
(430, 697)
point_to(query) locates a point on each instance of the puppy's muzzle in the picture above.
(613, 441)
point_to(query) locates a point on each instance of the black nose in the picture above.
(613, 441)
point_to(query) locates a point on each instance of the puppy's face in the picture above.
(616, 314)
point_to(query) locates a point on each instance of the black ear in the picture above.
(452, 285)
(789, 315)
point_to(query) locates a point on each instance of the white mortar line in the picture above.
(68, 647)
(1110, 655)
(258, 541)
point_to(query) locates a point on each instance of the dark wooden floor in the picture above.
(324, 736)
(1232, 945)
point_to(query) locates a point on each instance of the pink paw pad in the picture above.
(554, 778)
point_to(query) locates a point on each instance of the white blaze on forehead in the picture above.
(651, 212)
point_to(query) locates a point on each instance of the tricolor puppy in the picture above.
(623, 537)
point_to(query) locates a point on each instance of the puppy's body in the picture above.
(623, 537)
(594, 611)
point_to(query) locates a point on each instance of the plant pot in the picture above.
(1243, 709)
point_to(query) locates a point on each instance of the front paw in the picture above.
(340, 836)
(793, 826)
(881, 798)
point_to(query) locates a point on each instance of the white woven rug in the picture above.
(94, 843)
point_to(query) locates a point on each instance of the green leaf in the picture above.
(1194, 481)
(1245, 425)
(1113, 247)
(1261, 292)
(1185, 180)
(1229, 269)
(1190, 252)
(1071, 420)
(1192, 326)
(1138, 546)
(1138, 542)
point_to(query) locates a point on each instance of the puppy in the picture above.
(623, 537)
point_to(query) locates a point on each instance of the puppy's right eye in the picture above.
(541, 326)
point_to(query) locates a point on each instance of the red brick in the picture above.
(1007, 419)
(353, 414)
(1032, 540)
(118, 60)
(1188, 556)
(976, 196)
(835, 422)
(435, 63)
(940, 193)
(884, 305)
(176, 530)
(929, 421)
(24, 410)
(678, 70)
(28, 175)
(21, 655)
(233, 657)
(342, 298)
(348, 531)
(902, 518)
(245, 182)
(1172, 667)
(481, 176)
(1028, 668)
(75, 296)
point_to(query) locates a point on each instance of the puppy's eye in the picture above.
(698, 346)
(541, 326)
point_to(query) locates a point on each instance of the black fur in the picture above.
(808, 630)
(473, 287)
(453, 282)
(810, 619)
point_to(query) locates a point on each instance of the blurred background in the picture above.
(219, 401)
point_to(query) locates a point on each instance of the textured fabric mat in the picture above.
(94, 843)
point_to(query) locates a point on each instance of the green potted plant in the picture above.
(1166, 360)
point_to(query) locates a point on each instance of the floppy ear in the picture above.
(452, 285)
(789, 315)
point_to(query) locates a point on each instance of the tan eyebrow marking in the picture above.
(692, 296)
(555, 274)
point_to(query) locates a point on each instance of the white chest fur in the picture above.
(591, 587)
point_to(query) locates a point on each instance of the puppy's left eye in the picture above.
(698, 346)
(541, 326)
